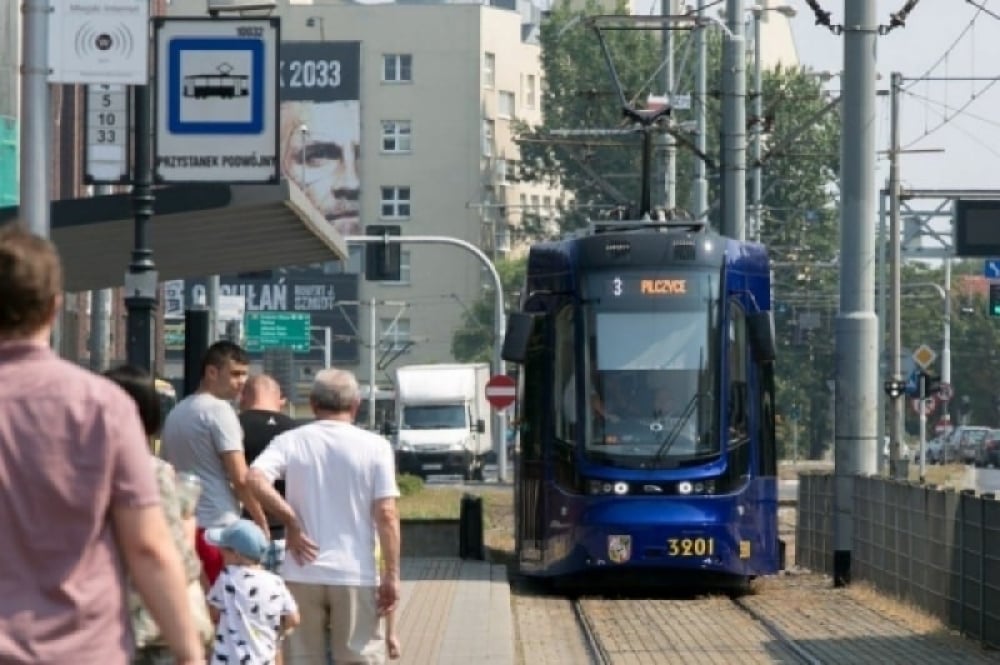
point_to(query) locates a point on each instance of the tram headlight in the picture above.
(696, 487)
(606, 487)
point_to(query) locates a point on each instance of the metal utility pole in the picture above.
(699, 184)
(883, 322)
(100, 315)
(212, 289)
(946, 339)
(895, 283)
(758, 120)
(855, 445)
(141, 278)
(669, 145)
(373, 339)
(734, 121)
(34, 189)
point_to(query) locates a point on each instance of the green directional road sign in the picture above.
(267, 330)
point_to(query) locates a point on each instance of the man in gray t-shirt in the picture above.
(202, 436)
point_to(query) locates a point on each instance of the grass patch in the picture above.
(434, 502)
(948, 475)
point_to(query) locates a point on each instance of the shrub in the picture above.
(409, 484)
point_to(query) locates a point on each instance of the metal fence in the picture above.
(937, 549)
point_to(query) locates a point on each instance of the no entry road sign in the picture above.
(501, 391)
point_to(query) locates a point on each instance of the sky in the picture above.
(943, 39)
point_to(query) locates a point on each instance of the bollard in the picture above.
(470, 528)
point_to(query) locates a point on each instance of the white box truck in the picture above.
(442, 419)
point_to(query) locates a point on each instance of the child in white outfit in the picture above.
(252, 607)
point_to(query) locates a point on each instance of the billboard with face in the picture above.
(321, 126)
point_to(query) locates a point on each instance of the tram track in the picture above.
(618, 629)
(802, 654)
(598, 655)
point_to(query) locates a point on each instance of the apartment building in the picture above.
(440, 87)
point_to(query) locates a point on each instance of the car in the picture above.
(963, 444)
(989, 450)
(935, 450)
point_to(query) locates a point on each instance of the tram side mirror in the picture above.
(760, 327)
(520, 326)
(480, 426)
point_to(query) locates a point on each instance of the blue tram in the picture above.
(646, 405)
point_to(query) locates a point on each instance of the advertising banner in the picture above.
(320, 132)
(304, 290)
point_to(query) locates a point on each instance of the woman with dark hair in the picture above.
(139, 385)
(178, 499)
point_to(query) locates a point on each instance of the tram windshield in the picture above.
(651, 378)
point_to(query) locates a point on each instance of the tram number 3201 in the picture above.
(690, 546)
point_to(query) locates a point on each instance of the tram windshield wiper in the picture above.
(678, 427)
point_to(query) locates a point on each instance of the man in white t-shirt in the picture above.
(202, 436)
(340, 495)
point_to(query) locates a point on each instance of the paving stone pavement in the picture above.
(455, 611)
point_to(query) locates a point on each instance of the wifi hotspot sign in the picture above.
(99, 42)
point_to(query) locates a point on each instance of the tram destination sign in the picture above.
(648, 286)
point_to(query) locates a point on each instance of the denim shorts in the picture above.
(275, 555)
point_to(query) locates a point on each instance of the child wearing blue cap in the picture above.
(251, 606)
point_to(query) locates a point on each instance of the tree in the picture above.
(473, 341)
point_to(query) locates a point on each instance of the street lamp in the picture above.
(758, 112)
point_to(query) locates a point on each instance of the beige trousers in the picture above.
(341, 621)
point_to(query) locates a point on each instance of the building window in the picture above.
(394, 334)
(505, 104)
(500, 171)
(528, 94)
(395, 136)
(395, 202)
(489, 137)
(397, 67)
(489, 69)
(404, 268)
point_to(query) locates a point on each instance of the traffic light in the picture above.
(893, 389)
(382, 258)
(994, 298)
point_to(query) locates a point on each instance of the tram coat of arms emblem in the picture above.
(619, 548)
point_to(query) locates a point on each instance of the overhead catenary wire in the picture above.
(951, 47)
(958, 111)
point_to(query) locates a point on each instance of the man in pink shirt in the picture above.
(77, 492)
